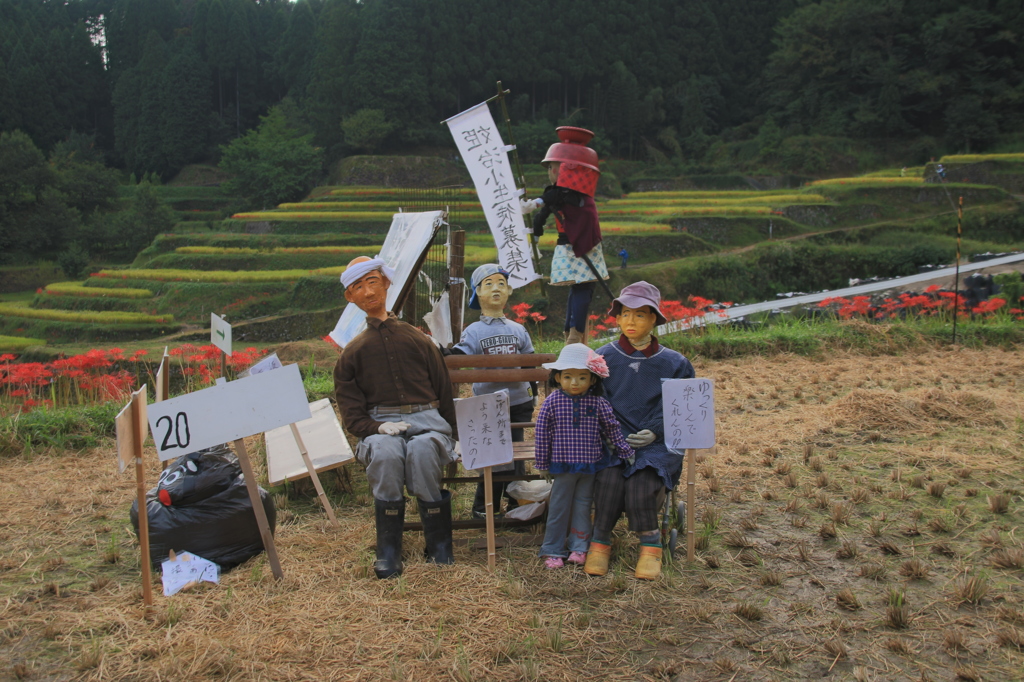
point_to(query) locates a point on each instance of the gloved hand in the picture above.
(546, 474)
(538, 225)
(392, 428)
(530, 205)
(640, 438)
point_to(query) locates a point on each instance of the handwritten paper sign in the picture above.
(486, 159)
(689, 412)
(265, 365)
(485, 430)
(408, 237)
(187, 568)
(228, 411)
(220, 333)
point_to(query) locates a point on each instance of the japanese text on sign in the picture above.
(689, 413)
(485, 430)
(486, 158)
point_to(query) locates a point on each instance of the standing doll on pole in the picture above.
(638, 364)
(578, 260)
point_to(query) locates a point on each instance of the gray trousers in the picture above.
(415, 459)
(572, 496)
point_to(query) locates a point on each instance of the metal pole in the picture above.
(956, 285)
(456, 280)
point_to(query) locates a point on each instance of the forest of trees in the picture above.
(158, 84)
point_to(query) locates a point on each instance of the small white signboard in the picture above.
(187, 568)
(485, 430)
(689, 413)
(126, 434)
(220, 333)
(227, 412)
(125, 438)
(265, 365)
(322, 435)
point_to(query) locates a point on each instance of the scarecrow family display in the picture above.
(394, 394)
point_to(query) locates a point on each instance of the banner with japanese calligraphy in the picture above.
(689, 413)
(486, 158)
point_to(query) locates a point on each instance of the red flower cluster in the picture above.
(522, 314)
(932, 302)
(104, 375)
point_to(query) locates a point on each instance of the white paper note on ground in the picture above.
(187, 568)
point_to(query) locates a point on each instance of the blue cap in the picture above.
(479, 275)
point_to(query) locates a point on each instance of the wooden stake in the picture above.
(312, 474)
(691, 502)
(257, 508)
(138, 404)
(163, 385)
(489, 505)
(224, 364)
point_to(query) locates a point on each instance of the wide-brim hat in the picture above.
(479, 275)
(637, 295)
(579, 356)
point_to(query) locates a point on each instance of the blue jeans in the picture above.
(572, 496)
(577, 307)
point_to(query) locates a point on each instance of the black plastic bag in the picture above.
(201, 505)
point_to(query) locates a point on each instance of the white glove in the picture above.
(530, 205)
(392, 428)
(641, 438)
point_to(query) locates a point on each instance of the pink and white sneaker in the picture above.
(578, 558)
(553, 562)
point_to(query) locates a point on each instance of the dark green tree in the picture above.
(273, 163)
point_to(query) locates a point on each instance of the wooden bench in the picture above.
(471, 369)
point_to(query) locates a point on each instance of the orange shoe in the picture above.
(598, 557)
(648, 566)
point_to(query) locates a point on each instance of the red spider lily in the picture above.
(329, 340)
(7, 357)
(988, 307)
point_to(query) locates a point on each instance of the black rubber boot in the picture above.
(390, 518)
(437, 529)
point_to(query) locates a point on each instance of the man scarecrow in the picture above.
(578, 260)
(637, 363)
(394, 394)
(495, 334)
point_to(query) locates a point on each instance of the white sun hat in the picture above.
(579, 356)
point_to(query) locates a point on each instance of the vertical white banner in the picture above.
(486, 158)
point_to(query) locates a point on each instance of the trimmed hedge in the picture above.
(77, 289)
(15, 344)
(101, 317)
(252, 262)
(72, 332)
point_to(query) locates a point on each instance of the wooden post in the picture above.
(489, 505)
(161, 391)
(224, 364)
(257, 508)
(312, 474)
(457, 284)
(138, 405)
(691, 482)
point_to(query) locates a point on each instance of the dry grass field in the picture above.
(860, 519)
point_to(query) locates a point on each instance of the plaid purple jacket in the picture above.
(569, 430)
